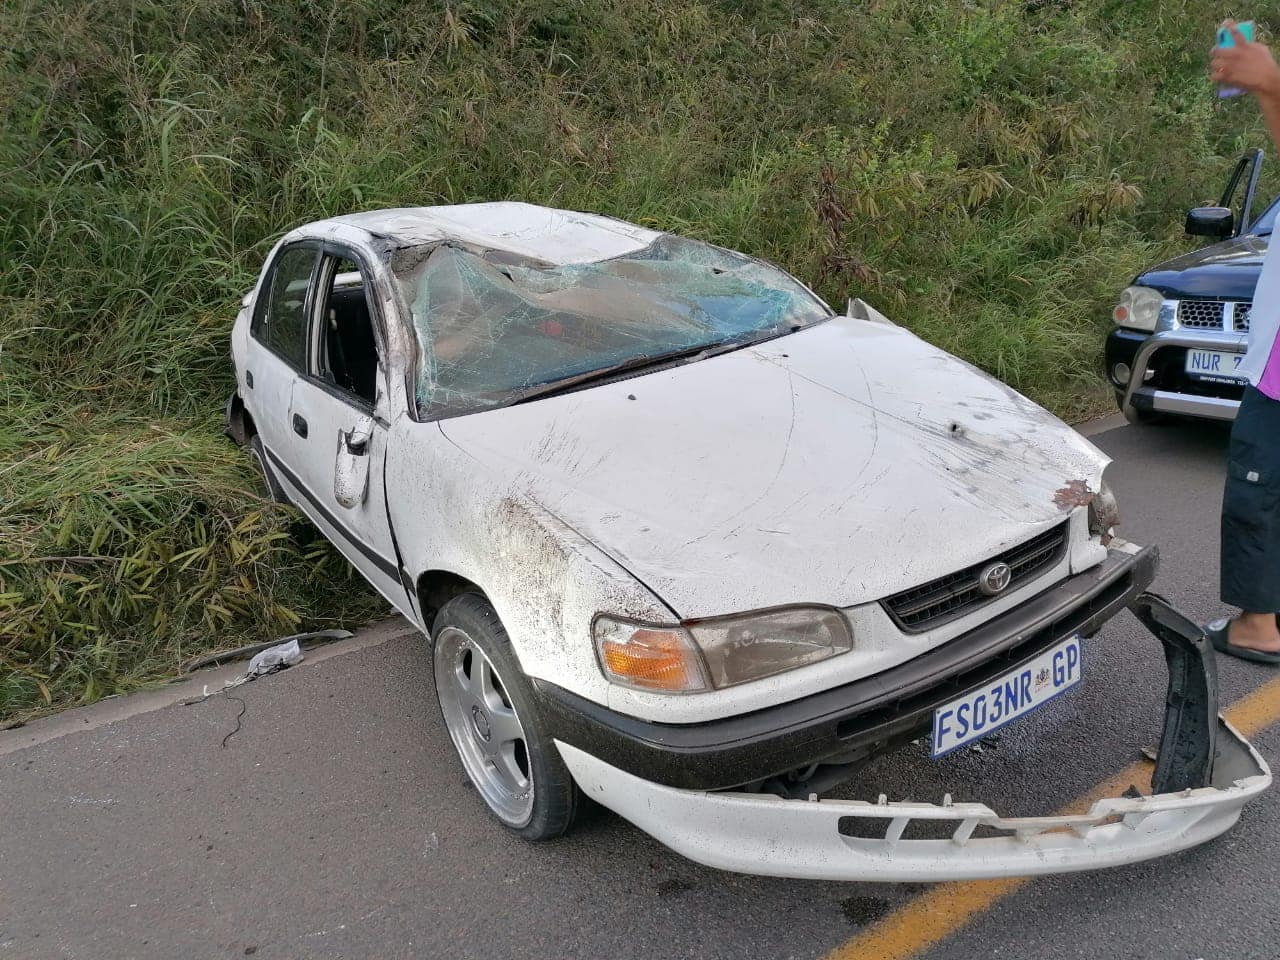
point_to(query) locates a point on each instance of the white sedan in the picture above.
(690, 544)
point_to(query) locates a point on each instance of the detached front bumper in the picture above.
(1205, 772)
(807, 839)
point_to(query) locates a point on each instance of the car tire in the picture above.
(1143, 418)
(259, 455)
(492, 716)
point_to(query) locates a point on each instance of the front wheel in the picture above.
(491, 714)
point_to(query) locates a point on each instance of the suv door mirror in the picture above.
(1216, 222)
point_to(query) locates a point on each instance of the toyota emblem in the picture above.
(994, 578)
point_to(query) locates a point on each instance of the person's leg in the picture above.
(1250, 525)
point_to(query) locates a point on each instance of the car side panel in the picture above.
(544, 580)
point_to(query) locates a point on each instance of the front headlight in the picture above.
(718, 652)
(1139, 308)
(1104, 514)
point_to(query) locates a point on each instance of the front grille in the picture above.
(943, 600)
(1241, 316)
(1200, 314)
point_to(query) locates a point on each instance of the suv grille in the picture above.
(1201, 314)
(1210, 314)
(943, 600)
(1241, 317)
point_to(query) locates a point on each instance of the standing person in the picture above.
(1251, 501)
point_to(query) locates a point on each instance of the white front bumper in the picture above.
(763, 834)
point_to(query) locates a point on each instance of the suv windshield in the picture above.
(1266, 223)
(491, 332)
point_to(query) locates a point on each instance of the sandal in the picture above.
(1217, 632)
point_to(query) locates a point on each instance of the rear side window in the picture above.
(281, 322)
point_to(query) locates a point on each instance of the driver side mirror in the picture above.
(1216, 222)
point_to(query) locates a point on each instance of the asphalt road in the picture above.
(337, 822)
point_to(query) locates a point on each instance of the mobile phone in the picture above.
(1225, 39)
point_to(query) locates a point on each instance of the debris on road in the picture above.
(275, 658)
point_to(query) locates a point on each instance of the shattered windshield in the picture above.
(492, 332)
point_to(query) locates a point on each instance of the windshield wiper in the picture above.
(631, 363)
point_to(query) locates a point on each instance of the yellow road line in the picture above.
(946, 908)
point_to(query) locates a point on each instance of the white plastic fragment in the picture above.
(275, 658)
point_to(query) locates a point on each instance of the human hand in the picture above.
(1248, 66)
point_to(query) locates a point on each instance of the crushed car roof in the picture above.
(553, 236)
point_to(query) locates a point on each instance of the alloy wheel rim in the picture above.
(484, 726)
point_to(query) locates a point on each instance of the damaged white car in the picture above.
(688, 543)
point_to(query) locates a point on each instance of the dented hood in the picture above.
(836, 465)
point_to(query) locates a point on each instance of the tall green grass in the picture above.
(988, 173)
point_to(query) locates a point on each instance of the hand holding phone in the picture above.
(1225, 40)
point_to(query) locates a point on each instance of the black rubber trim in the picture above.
(864, 717)
(381, 562)
(406, 581)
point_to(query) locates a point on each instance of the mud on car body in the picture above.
(688, 543)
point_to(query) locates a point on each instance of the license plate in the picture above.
(981, 712)
(1214, 365)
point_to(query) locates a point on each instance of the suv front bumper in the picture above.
(1139, 350)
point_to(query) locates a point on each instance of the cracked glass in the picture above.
(493, 332)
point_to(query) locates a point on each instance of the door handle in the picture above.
(299, 426)
(248, 379)
(357, 438)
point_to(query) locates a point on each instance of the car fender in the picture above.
(546, 582)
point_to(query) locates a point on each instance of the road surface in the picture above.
(336, 823)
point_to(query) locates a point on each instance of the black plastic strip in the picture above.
(381, 562)
(1187, 744)
(405, 580)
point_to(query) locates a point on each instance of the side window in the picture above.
(348, 352)
(281, 322)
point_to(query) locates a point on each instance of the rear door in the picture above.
(276, 354)
(340, 407)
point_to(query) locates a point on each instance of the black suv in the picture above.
(1182, 327)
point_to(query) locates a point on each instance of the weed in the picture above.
(988, 173)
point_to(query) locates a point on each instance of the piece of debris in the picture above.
(673, 887)
(1074, 494)
(275, 658)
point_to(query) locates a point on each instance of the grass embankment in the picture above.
(988, 173)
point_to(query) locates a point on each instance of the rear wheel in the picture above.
(259, 455)
(492, 717)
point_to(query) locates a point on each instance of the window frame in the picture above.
(321, 281)
(262, 302)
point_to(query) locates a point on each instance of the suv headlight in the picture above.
(1139, 308)
(718, 652)
(1104, 514)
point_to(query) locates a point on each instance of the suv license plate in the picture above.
(981, 712)
(1214, 365)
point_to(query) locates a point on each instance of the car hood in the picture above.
(1229, 269)
(836, 465)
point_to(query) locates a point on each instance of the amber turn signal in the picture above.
(649, 658)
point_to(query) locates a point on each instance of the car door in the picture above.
(339, 416)
(276, 351)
